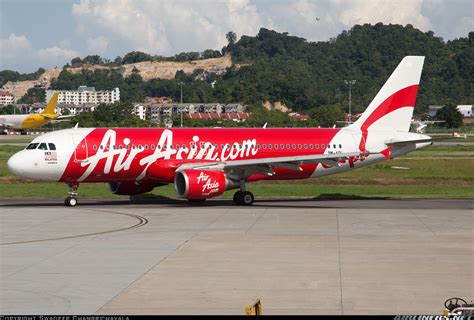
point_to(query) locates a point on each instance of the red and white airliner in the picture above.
(203, 163)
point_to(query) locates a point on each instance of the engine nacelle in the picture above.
(201, 184)
(131, 188)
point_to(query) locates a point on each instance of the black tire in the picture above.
(237, 197)
(247, 198)
(70, 202)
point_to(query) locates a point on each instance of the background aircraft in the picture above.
(203, 163)
(33, 120)
(421, 125)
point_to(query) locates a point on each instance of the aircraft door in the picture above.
(81, 151)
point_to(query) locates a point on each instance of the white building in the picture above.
(465, 110)
(73, 109)
(140, 111)
(85, 95)
(6, 98)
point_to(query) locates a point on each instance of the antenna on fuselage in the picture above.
(76, 126)
(265, 125)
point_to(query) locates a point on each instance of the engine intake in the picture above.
(201, 184)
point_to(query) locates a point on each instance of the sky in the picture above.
(49, 33)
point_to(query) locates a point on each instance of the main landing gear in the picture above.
(71, 200)
(243, 197)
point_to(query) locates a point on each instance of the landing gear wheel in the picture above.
(237, 197)
(246, 198)
(70, 202)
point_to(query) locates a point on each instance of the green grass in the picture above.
(15, 140)
(100, 191)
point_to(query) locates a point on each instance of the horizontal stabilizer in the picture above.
(401, 142)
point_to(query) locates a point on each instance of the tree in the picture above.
(9, 109)
(136, 56)
(327, 115)
(231, 37)
(451, 116)
(76, 61)
(33, 95)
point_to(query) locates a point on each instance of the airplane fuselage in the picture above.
(134, 154)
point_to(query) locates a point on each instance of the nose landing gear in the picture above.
(71, 199)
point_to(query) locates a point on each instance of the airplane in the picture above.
(33, 120)
(202, 163)
(421, 125)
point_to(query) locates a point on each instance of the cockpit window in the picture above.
(32, 146)
(52, 146)
(43, 146)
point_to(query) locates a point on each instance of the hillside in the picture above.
(149, 70)
(277, 67)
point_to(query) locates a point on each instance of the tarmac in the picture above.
(299, 256)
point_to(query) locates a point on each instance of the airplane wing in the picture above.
(266, 165)
(65, 116)
(6, 125)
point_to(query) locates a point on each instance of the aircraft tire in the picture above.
(70, 202)
(247, 198)
(238, 198)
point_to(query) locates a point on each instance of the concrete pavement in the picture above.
(298, 256)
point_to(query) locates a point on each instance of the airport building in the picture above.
(6, 98)
(85, 95)
(165, 111)
(465, 110)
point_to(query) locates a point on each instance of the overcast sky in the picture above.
(48, 33)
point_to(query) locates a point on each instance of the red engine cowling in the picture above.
(200, 184)
(131, 187)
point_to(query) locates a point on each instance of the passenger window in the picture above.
(43, 146)
(133, 146)
(94, 147)
(311, 146)
(101, 147)
(294, 146)
(264, 146)
(340, 146)
(306, 146)
(317, 146)
(146, 147)
(32, 146)
(270, 146)
(120, 146)
(299, 146)
(322, 146)
(288, 146)
(52, 146)
(329, 146)
(334, 146)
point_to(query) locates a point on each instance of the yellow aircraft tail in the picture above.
(51, 104)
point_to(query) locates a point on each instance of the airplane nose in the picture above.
(14, 165)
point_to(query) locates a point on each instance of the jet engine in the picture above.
(195, 184)
(131, 187)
